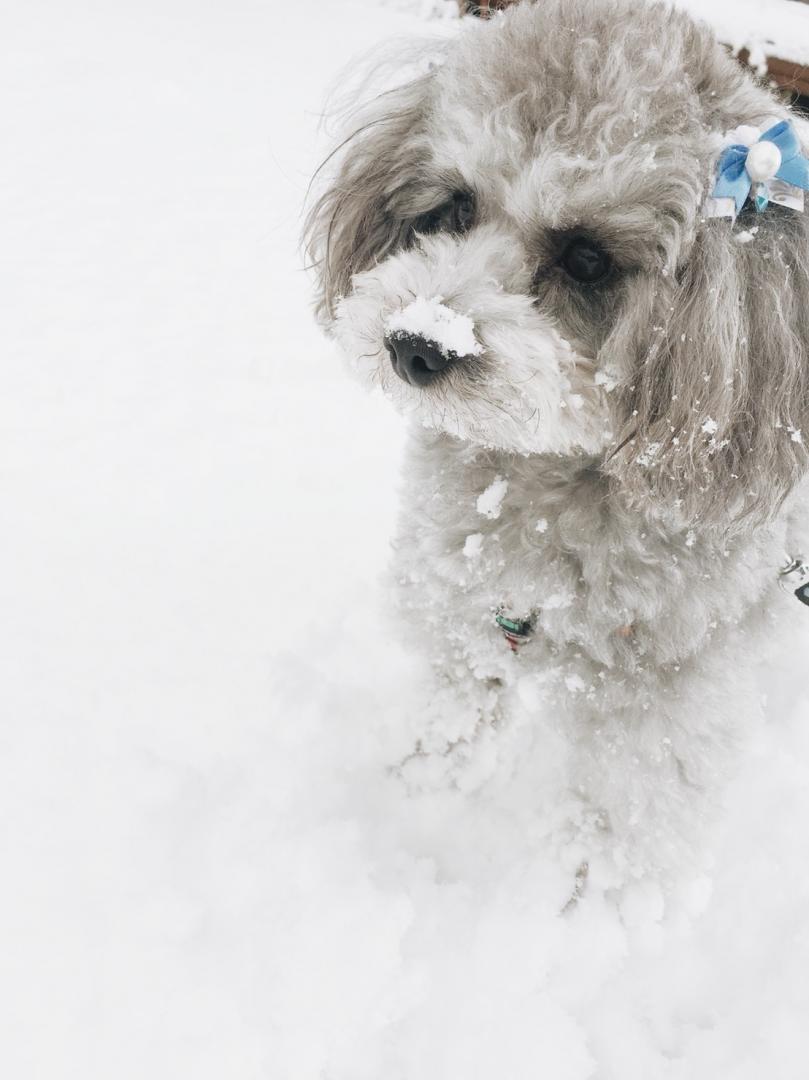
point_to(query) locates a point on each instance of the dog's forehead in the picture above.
(595, 67)
(556, 119)
(550, 180)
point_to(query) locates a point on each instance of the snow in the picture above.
(473, 545)
(425, 9)
(212, 864)
(453, 332)
(489, 501)
(603, 378)
(745, 236)
(777, 28)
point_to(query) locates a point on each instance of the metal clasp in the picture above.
(516, 631)
(794, 577)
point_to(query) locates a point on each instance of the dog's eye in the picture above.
(585, 261)
(455, 215)
(464, 211)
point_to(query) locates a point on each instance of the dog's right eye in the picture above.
(585, 261)
(463, 211)
(456, 215)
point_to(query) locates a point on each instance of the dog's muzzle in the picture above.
(417, 360)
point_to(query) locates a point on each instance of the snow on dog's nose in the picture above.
(426, 337)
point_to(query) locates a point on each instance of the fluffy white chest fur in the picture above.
(646, 641)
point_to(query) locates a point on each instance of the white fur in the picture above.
(535, 394)
(622, 467)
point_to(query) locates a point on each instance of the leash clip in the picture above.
(794, 577)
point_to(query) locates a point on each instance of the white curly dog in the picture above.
(597, 317)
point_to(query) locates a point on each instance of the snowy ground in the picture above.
(765, 28)
(208, 869)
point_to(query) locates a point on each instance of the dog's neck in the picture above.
(571, 492)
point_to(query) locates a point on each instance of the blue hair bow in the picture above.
(742, 166)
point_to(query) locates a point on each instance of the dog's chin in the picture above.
(489, 414)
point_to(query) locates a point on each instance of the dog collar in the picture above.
(793, 576)
(518, 632)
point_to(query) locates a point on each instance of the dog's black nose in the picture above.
(415, 359)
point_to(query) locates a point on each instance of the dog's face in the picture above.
(515, 251)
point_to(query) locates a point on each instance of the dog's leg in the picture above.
(578, 889)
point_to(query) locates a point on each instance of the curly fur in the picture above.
(649, 430)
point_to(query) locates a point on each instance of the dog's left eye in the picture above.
(464, 211)
(585, 261)
(456, 215)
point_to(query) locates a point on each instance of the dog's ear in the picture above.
(362, 214)
(716, 408)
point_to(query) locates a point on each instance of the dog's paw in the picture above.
(454, 736)
(579, 885)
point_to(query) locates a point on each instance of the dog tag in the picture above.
(516, 631)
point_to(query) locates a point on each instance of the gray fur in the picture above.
(363, 214)
(651, 579)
